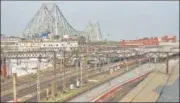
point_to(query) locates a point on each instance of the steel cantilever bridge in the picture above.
(50, 19)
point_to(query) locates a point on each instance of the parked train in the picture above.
(132, 62)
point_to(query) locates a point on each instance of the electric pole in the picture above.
(149, 61)
(64, 82)
(38, 81)
(139, 66)
(85, 61)
(125, 61)
(167, 64)
(14, 87)
(81, 64)
(155, 60)
(76, 66)
(2, 68)
(54, 76)
(54, 66)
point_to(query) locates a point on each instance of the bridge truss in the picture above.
(51, 20)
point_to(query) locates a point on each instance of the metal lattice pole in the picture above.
(155, 60)
(139, 66)
(86, 68)
(38, 80)
(125, 57)
(81, 64)
(64, 82)
(54, 76)
(167, 64)
(14, 87)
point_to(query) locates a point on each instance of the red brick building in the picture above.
(168, 38)
(140, 42)
(153, 41)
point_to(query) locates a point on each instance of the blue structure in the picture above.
(44, 35)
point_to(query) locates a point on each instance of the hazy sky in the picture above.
(120, 19)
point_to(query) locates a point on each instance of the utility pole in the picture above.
(38, 81)
(149, 61)
(139, 66)
(61, 65)
(85, 61)
(96, 64)
(167, 64)
(64, 82)
(125, 57)
(155, 60)
(85, 68)
(54, 66)
(2, 69)
(14, 87)
(99, 62)
(76, 66)
(54, 76)
(157, 49)
(81, 63)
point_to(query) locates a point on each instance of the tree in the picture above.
(82, 39)
(57, 36)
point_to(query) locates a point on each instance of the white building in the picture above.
(63, 45)
(28, 46)
(10, 43)
(47, 45)
(10, 39)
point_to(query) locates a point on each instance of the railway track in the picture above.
(45, 84)
(29, 83)
(45, 72)
(119, 94)
(32, 88)
(25, 79)
(72, 80)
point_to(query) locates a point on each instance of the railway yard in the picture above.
(53, 62)
(95, 75)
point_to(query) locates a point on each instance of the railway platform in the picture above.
(157, 86)
(96, 92)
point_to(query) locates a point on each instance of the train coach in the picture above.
(131, 62)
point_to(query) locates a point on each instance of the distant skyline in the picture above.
(120, 19)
